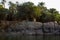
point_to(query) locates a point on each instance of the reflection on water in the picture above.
(30, 37)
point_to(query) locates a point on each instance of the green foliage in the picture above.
(37, 11)
(57, 17)
(53, 12)
(27, 11)
(41, 4)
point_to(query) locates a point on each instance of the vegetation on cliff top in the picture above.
(28, 11)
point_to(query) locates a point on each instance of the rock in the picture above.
(34, 27)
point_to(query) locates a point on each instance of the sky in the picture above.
(48, 3)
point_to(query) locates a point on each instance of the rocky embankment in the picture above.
(34, 28)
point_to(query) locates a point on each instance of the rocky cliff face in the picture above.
(34, 28)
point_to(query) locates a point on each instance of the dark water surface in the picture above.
(30, 37)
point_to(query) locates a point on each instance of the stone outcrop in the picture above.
(34, 28)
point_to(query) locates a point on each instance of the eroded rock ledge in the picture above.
(34, 28)
(28, 27)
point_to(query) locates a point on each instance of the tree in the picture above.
(41, 4)
(57, 18)
(53, 12)
(36, 13)
(3, 2)
(3, 13)
(17, 3)
(12, 9)
(27, 10)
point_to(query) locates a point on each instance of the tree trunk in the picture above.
(34, 19)
(4, 5)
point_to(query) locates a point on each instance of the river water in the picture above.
(30, 37)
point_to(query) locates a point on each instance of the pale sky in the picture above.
(48, 3)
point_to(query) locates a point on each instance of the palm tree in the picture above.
(17, 3)
(41, 4)
(12, 7)
(3, 2)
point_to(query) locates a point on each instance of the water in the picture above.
(30, 37)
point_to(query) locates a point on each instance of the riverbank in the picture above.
(29, 27)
